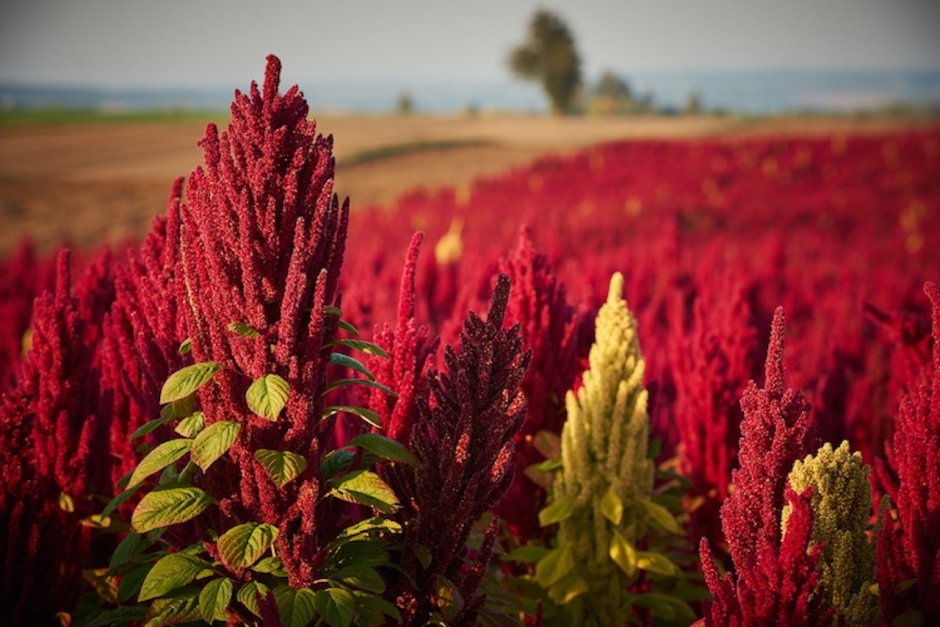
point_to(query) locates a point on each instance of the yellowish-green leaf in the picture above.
(243, 330)
(282, 466)
(367, 488)
(159, 458)
(548, 444)
(181, 606)
(567, 589)
(655, 563)
(367, 415)
(449, 599)
(214, 599)
(612, 507)
(190, 426)
(248, 596)
(213, 442)
(662, 516)
(622, 553)
(336, 606)
(162, 508)
(551, 568)
(296, 607)
(267, 396)
(557, 511)
(169, 573)
(243, 545)
(185, 347)
(270, 566)
(187, 380)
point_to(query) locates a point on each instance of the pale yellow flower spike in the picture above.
(841, 509)
(604, 456)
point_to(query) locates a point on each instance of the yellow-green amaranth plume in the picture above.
(841, 502)
(602, 491)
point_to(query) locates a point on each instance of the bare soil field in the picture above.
(94, 182)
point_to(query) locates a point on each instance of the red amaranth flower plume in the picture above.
(775, 578)
(262, 238)
(908, 565)
(464, 441)
(550, 330)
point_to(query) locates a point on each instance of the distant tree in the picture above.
(693, 105)
(405, 104)
(550, 57)
(612, 94)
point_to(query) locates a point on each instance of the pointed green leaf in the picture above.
(270, 566)
(190, 426)
(128, 548)
(372, 384)
(282, 466)
(367, 488)
(623, 554)
(182, 606)
(165, 507)
(187, 380)
(384, 447)
(365, 347)
(296, 607)
(131, 582)
(525, 554)
(248, 596)
(558, 563)
(332, 310)
(214, 599)
(558, 511)
(243, 329)
(612, 507)
(368, 527)
(169, 573)
(349, 327)
(655, 563)
(213, 442)
(151, 425)
(242, 546)
(662, 516)
(336, 606)
(361, 577)
(346, 361)
(186, 346)
(159, 458)
(267, 396)
(366, 414)
(119, 500)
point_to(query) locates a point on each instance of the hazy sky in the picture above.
(218, 43)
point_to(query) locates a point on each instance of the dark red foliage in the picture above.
(908, 565)
(463, 438)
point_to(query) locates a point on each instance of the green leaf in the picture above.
(282, 466)
(361, 577)
(449, 599)
(664, 606)
(376, 604)
(296, 607)
(623, 554)
(117, 616)
(346, 361)
(270, 566)
(128, 548)
(186, 346)
(366, 414)
(548, 444)
(568, 588)
(372, 384)
(165, 507)
(187, 380)
(558, 511)
(131, 582)
(214, 599)
(365, 528)
(365, 347)
(117, 501)
(243, 329)
(248, 596)
(243, 545)
(336, 606)
(169, 573)
(662, 516)
(180, 607)
(525, 554)
(547, 465)
(361, 553)
(151, 425)
(267, 396)
(612, 507)
(367, 488)
(336, 461)
(384, 447)
(910, 618)
(159, 458)
(558, 563)
(190, 426)
(213, 442)
(655, 563)
(333, 311)
(349, 327)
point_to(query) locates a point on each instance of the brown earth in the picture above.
(95, 182)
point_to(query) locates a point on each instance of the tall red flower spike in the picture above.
(262, 238)
(908, 564)
(549, 327)
(775, 577)
(464, 442)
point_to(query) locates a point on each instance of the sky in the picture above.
(190, 43)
